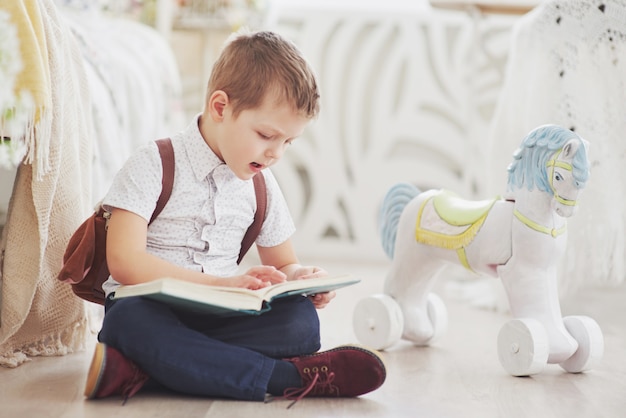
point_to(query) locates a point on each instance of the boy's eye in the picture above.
(262, 135)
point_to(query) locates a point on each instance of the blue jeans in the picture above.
(207, 355)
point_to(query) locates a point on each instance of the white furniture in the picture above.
(407, 91)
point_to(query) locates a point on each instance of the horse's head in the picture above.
(554, 160)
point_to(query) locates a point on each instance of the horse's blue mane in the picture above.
(529, 160)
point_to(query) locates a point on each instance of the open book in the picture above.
(229, 300)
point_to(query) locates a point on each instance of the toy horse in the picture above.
(518, 238)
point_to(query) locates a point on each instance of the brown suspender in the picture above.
(167, 161)
(255, 228)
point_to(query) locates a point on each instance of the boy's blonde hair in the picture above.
(252, 64)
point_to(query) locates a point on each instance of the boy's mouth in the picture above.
(257, 165)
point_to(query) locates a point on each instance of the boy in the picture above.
(260, 97)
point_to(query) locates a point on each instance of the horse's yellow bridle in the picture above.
(552, 163)
(555, 162)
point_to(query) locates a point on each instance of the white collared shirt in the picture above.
(209, 211)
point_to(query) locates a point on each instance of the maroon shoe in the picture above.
(111, 374)
(345, 371)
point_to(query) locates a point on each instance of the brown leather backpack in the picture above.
(84, 261)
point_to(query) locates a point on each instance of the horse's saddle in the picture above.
(445, 220)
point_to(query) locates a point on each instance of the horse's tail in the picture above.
(393, 204)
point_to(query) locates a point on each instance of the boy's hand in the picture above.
(256, 277)
(308, 272)
(320, 300)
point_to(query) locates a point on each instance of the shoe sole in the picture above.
(95, 371)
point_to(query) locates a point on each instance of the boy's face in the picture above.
(256, 138)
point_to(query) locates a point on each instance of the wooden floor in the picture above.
(460, 376)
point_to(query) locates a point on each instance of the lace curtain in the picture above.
(568, 66)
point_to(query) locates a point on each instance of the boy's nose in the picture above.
(274, 152)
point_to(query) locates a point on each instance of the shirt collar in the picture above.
(202, 158)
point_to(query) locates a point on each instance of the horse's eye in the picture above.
(558, 177)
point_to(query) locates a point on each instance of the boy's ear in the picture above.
(217, 104)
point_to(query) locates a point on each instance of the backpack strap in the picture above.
(259, 216)
(167, 161)
(167, 157)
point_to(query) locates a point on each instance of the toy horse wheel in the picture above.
(588, 334)
(523, 347)
(378, 321)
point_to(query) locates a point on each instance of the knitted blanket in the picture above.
(568, 66)
(30, 118)
(40, 316)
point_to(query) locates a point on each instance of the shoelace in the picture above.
(320, 383)
(133, 385)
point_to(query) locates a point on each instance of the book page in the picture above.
(180, 292)
(314, 285)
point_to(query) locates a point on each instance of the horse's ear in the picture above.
(570, 148)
